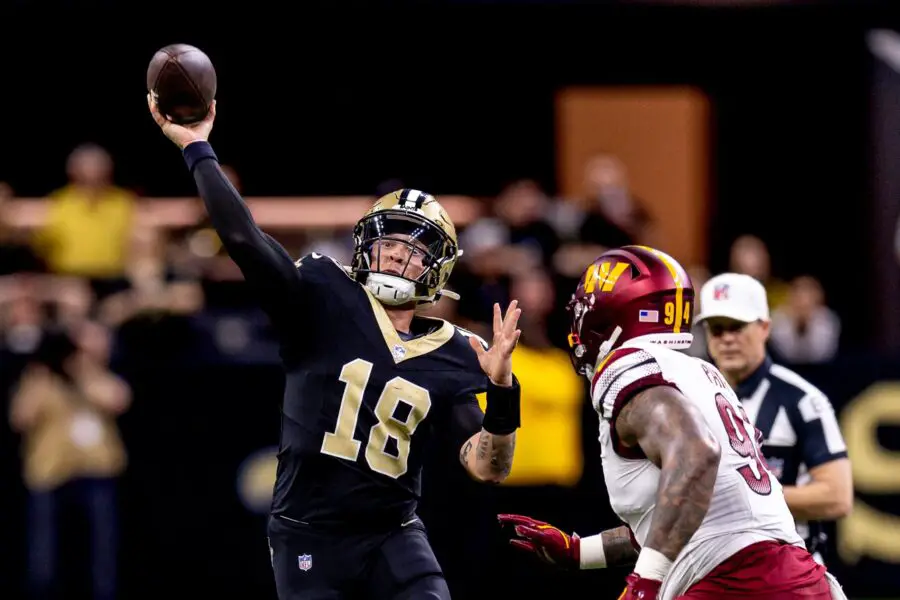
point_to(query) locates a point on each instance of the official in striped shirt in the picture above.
(802, 442)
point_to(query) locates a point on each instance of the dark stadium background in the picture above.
(456, 99)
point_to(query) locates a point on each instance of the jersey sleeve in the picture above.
(465, 419)
(620, 376)
(293, 294)
(818, 432)
(266, 266)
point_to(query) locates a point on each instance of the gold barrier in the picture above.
(284, 213)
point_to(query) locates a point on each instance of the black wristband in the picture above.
(197, 151)
(502, 416)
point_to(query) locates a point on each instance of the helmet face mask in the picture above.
(405, 248)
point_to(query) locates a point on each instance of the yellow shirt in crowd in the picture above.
(548, 445)
(87, 237)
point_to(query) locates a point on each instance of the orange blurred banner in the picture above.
(661, 134)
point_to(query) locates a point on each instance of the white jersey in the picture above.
(748, 503)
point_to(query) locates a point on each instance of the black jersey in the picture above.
(361, 403)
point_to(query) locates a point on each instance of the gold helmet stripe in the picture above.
(678, 277)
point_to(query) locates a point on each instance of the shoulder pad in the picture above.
(622, 374)
(315, 260)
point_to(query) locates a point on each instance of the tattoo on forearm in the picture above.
(464, 453)
(685, 488)
(497, 451)
(618, 548)
(673, 437)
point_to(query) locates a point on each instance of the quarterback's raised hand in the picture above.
(183, 135)
(496, 362)
(547, 542)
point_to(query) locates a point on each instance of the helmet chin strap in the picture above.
(605, 347)
(390, 289)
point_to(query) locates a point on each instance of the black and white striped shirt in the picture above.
(799, 428)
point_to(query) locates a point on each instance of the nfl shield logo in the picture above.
(305, 562)
(720, 292)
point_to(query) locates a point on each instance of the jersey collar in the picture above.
(747, 387)
(400, 349)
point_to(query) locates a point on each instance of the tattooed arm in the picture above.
(619, 548)
(673, 435)
(487, 439)
(487, 456)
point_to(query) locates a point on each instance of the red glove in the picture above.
(546, 541)
(638, 588)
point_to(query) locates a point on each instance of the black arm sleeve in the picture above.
(265, 264)
(465, 420)
(501, 418)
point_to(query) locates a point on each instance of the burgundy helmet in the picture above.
(627, 293)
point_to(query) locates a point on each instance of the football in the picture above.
(183, 83)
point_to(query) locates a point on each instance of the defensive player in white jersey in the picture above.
(704, 517)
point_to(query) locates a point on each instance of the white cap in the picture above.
(733, 296)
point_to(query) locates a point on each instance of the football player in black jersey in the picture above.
(368, 385)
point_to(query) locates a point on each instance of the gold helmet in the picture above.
(418, 221)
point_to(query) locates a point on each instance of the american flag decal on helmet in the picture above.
(648, 316)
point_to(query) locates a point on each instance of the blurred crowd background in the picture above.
(141, 384)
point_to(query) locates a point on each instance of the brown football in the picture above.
(183, 82)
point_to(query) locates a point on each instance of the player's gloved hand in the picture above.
(183, 135)
(546, 541)
(640, 588)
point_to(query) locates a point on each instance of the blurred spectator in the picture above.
(515, 239)
(152, 289)
(30, 304)
(89, 222)
(65, 408)
(804, 329)
(750, 256)
(16, 254)
(548, 447)
(152, 305)
(23, 317)
(605, 216)
(336, 244)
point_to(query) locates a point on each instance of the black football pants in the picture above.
(311, 563)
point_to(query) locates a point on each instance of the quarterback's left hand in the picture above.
(639, 588)
(496, 362)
